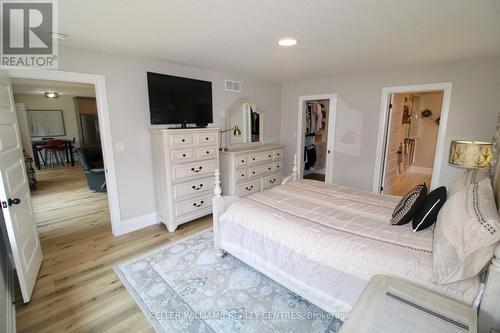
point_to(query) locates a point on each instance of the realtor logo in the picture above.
(27, 28)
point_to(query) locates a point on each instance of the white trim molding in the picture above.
(139, 222)
(99, 83)
(381, 153)
(332, 121)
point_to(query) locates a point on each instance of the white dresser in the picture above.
(184, 162)
(248, 170)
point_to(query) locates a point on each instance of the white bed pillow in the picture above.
(467, 178)
(467, 231)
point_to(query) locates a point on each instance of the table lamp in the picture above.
(236, 132)
(471, 154)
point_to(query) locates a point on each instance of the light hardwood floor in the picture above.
(77, 289)
(406, 182)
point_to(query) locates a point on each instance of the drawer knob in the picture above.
(242, 161)
(268, 168)
(272, 181)
(253, 158)
(207, 138)
(183, 140)
(249, 188)
(242, 175)
(269, 156)
(197, 188)
(183, 155)
(198, 205)
(197, 170)
(208, 152)
(253, 172)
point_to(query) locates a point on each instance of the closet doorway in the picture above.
(315, 136)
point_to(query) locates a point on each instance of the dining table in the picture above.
(40, 144)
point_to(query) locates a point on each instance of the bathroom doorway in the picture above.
(411, 140)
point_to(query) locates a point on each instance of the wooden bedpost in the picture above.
(219, 205)
(295, 170)
(217, 188)
(489, 315)
(295, 174)
(217, 208)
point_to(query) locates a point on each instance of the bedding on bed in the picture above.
(331, 240)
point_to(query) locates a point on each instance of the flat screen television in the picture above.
(179, 100)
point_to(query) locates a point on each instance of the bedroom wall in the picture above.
(64, 103)
(473, 111)
(129, 116)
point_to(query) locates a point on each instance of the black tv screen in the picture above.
(179, 100)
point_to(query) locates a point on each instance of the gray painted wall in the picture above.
(475, 104)
(129, 113)
(474, 108)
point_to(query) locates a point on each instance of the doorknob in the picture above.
(14, 201)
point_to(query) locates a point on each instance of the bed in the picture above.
(325, 242)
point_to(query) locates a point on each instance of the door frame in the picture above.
(381, 152)
(99, 82)
(332, 121)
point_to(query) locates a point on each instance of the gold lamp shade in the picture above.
(471, 154)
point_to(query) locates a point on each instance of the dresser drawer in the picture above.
(272, 180)
(184, 171)
(193, 205)
(260, 170)
(241, 160)
(193, 187)
(276, 166)
(277, 155)
(248, 188)
(206, 139)
(206, 153)
(260, 157)
(182, 155)
(241, 174)
(180, 140)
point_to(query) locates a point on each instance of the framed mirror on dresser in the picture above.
(248, 165)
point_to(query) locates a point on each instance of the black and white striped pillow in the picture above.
(409, 205)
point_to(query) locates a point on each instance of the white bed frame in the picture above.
(489, 308)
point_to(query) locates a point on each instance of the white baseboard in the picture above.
(421, 170)
(139, 222)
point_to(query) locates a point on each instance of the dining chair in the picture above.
(54, 150)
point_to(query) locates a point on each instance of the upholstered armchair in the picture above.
(91, 160)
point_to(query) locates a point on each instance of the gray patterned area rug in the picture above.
(185, 287)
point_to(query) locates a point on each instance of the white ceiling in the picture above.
(335, 36)
(38, 87)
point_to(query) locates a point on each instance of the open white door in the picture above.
(15, 195)
(330, 146)
(386, 148)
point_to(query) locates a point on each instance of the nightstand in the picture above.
(390, 304)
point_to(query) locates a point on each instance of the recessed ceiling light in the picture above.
(287, 42)
(51, 94)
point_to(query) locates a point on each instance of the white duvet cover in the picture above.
(331, 240)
